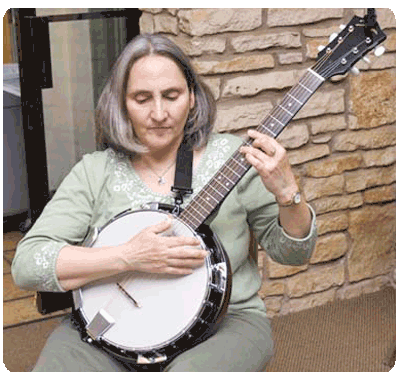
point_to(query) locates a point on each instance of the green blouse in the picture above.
(104, 183)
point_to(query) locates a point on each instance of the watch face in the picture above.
(297, 198)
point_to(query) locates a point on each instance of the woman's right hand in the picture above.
(151, 252)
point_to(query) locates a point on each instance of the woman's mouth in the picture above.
(159, 127)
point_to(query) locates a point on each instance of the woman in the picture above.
(152, 101)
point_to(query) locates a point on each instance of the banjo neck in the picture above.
(356, 39)
(211, 196)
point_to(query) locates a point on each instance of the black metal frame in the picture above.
(33, 41)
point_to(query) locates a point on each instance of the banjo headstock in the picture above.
(360, 36)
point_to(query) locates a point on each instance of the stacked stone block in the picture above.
(341, 144)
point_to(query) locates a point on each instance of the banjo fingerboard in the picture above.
(232, 171)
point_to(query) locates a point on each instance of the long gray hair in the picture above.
(114, 128)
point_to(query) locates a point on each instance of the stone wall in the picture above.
(341, 144)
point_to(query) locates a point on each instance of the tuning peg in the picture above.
(365, 59)
(321, 47)
(379, 51)
(332, 37)
(342, 26)
(354, 70)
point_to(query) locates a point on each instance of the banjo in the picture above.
(146, 319)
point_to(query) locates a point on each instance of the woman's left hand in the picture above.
(269, 158)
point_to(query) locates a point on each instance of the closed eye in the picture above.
(142, 101)
(170, 94)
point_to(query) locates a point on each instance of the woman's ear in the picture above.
(192, 99)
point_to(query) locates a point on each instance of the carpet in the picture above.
(22, 344)
(346, 335)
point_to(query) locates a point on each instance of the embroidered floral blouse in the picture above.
(103, 184)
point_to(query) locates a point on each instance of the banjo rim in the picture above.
(219, 272)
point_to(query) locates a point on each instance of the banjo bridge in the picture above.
(125, 292)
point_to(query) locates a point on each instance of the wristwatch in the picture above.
(296, 199)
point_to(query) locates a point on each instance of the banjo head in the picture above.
(136, 313)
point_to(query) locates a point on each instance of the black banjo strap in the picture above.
(183, 174)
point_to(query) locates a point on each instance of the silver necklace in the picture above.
(161, 178)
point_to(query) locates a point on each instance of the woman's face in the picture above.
(158, 101)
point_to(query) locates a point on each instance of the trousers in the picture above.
(243, 343)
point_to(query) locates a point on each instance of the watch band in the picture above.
(295, 199)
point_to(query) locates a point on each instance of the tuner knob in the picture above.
(321, 47)
(355, 71)
(342, 26)
(365, 59)
(332, 37)
(379, 51)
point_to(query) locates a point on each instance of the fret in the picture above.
(306, 88)
(226, 178)
(226, 181)
(288, 103)
(199, 203)
(277, 120)
(208, 198)
(190, 218)
(194, 208)
(239, 176)
(293, 105)
(266, 130)
(295, 99)
(237, 162)
(321, 78)
(221, 184)
(280, 106)
(194, 204)
(214, 189)
(282, 116)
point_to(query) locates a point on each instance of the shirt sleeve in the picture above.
(64, 221)
(263, 219)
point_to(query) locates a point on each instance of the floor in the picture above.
(18, 305)
(365, 342)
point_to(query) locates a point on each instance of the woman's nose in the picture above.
(159, 113)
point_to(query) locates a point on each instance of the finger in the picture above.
(263, 142)
(187, 253)
(257, 135)
(267, 149)
(255, 153)
(260, 162)
(194, 254)
(186, 263)
(182, 241)
(160, 227)
(256, 163)
(185, 260)
(178, 271)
